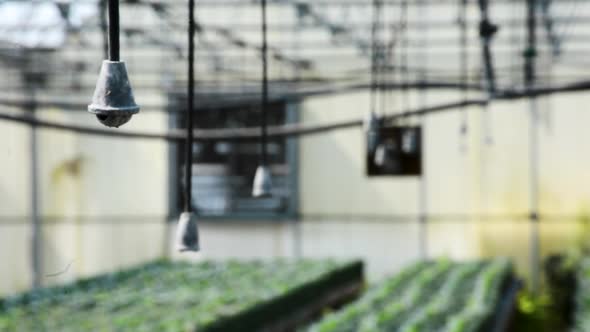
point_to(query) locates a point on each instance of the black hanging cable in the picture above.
(515, 42)
(464, 62)
(423, 14)
(187, 234)
(262, 186)
(113, 30)
(189, 111)
(374, 57)
(382, 147)
(530, 52)
(487, 30)
(392, 48)
(264, 104)
(404, 54)
(382, 58)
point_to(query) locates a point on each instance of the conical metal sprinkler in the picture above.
(387, 157)
(262, 182)
(262, 186)
(113, 101)
(371, 125)
(410, 141)
(380, 155)
(187, 233)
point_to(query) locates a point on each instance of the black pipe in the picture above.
(404, 55)
(242, 134)
(487, 30)
(464, 61)
(374, 57)
(264, 106)
(189, 110)
(113, 30)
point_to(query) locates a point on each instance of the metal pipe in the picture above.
(229, 134)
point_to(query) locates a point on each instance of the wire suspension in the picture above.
(374, 56)
(113, 30)
(190, 107)
(405, 87)
(487, 30)
(264, 104)
(464, 59)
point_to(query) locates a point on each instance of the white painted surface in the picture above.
(87, 181)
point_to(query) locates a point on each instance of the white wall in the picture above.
(347, 215)
(110, 195)
(103, 200)
(358, 215)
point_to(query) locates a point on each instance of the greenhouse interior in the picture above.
(294, 165)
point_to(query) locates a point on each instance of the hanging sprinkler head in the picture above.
(262, 186)
(410, 141)
(372, 123)
(262, 182)
(187, 233)
(113, 101)
(387, 156)
(372, 131)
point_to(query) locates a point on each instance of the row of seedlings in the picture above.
(166, 296)
(581, 320)
(432, 296)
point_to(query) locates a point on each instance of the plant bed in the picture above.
(432, 296)
(581, 316)
(209, 296)
(561, 278)
(505, 312)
